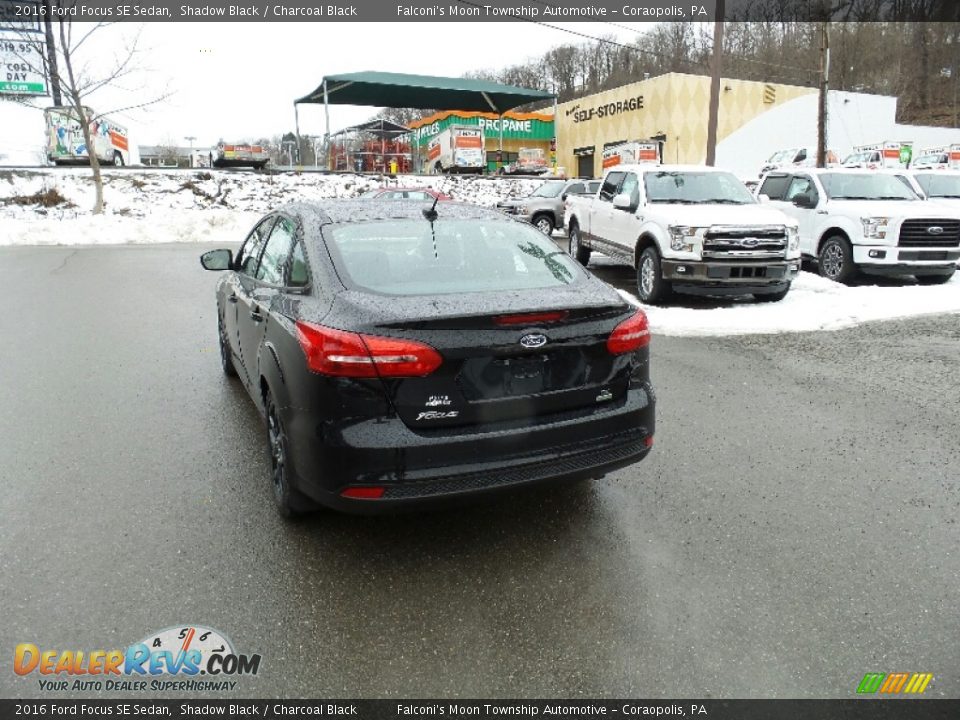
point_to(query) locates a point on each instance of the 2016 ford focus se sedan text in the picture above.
(405, 355)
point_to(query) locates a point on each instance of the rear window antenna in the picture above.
(431, 214)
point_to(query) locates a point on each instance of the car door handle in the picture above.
(231, 298)
(255, 314)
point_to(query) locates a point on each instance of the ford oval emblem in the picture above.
(935, 230)
(533, 340)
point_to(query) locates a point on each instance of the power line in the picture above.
(634, 48)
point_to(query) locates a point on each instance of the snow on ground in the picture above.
(220, 207)
(813, 303)
(133, 193)
(190, 205)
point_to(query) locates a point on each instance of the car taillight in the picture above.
(632, 334)
(346, 354)
(532, 318)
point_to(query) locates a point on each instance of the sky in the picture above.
(237, 81)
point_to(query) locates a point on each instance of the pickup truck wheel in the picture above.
(835, 261)
(651, 287)
(934, 279)
(576, 247)
(543, 223)
(772, 297)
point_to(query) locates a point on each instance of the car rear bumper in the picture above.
(429, 469)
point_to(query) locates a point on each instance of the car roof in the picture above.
(837, 171)
(365, 209)
(655, 167)
(932, 171)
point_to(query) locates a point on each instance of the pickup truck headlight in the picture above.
(793, 238)
(681, 237)
(875, 227)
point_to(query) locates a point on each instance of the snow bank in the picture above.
(220, 207)
(813, 303)
(133, 193)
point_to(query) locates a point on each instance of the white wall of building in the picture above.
(853, 119)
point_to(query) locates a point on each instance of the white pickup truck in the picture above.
(686, 229)
(870, 221)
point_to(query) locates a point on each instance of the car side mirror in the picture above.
(217, 260)
(563, 198)
(763, 198)
(804, 201)
(622, 202)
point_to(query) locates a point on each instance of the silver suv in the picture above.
(544, 206)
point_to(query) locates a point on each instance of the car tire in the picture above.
(290, 502)
(835, 261)
(575, 245)
(226, 357)
(934, 279)
(117, 159)
(438, 169)
(771, 297)
(544, 224)
(652, 289)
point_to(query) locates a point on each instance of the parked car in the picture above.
(869, 221)
(406, 193)
(404, 356)
(530, 161)
(940, 186)
(544, 207)
(686, 229)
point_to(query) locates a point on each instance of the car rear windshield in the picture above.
(866, 186)
(413, 257)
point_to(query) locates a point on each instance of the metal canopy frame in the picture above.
(424, 92)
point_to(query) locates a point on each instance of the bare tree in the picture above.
(78, 83)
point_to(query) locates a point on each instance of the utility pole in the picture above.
(716, 67)
(824, 89)
(51, 55)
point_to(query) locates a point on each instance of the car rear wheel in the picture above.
(543, 223)
(576, 247)
(651, 287)
(835, 261)
(117, 158)
(226, 358)
(934, 279)
(290, 502)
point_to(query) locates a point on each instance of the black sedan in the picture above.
(404, 355)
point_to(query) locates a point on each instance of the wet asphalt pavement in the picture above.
(795, 527)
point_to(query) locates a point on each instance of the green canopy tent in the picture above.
(423, 92)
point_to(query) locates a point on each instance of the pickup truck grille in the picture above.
(917, 233)
(763, 242)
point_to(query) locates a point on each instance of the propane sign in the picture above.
(21, 64)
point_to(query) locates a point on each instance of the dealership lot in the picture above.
(795, 527)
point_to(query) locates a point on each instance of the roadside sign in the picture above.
(21, 64)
